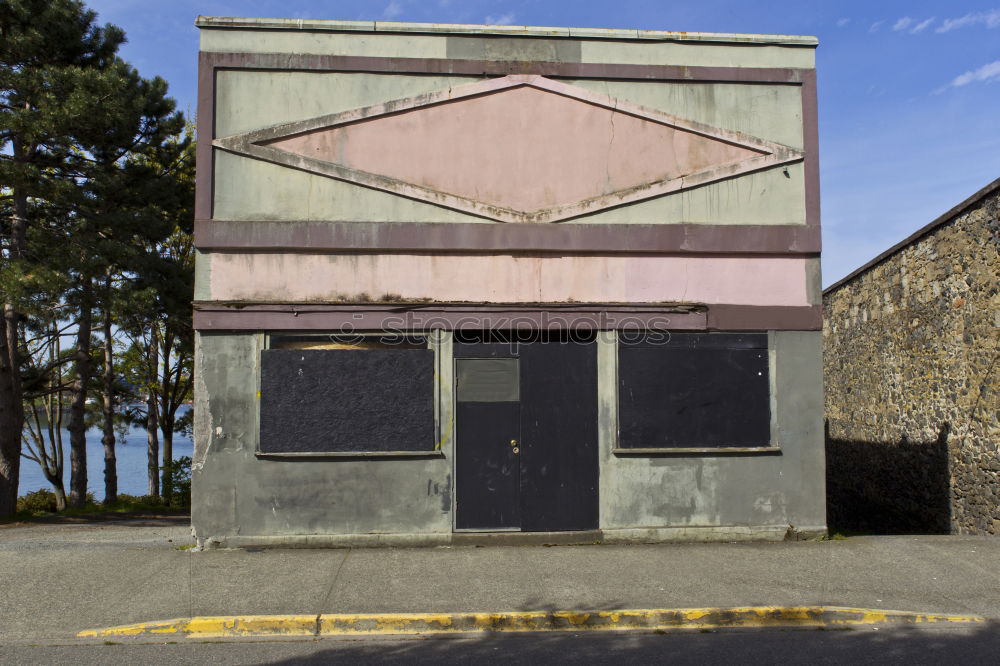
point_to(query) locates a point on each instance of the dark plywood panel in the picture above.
(682, 397)
(559, 458)
(487, 472)
(346, 401)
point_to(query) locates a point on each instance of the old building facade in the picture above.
(456, 280)
(912, 388)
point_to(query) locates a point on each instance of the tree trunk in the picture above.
(82, 372)
(55, 418)
(152, 428)
(11, 407)
(10, 424)
(48, 438)
(110, 461)
(57, 487)
(167, 429)
(167, 421)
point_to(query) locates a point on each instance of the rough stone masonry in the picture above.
(911, 370)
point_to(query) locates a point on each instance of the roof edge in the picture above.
(925, 230)
(504, 30)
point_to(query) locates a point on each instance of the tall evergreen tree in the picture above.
(123, 187)
(89, 172)
(152, 295)
(53, 85)
(161, 352)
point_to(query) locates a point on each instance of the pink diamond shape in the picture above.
(519, 148)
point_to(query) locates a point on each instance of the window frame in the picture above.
(434, 343)
(772, 448)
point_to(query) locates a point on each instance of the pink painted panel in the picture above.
(272, 277)
(522, 148)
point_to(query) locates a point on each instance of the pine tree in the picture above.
(125, 181)
(92, 151)
(53, 64)
(161, 353)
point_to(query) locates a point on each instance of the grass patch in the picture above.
(187, 546)
(40, 505)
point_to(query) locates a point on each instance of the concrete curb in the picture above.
(519, 621)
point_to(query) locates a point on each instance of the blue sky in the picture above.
(909, 92)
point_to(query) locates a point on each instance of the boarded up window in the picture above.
(694, 390)
(366, 398)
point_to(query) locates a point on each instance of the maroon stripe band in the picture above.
(313, 236)
(810, 139)
(204, 162)
(767, 318)
(351, 317)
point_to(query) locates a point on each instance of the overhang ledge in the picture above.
(503, 30)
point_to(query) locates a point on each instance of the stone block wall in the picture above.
(912, 390)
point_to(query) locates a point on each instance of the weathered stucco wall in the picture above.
(302, 202)
(767, 493)
(263, 277)
(244, 499)
(240, 496)
(913, 382)
(592, 46)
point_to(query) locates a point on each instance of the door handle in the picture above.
(513, 446)
(513, 442)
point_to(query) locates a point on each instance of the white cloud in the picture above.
(923, 25)
(902, 24)
(503, 19)
(990, 72)
(991, 19)
(842, 22)
(392, 10)
(875, 26)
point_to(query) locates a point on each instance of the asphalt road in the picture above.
(898, 645)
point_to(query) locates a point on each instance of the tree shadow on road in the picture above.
(901, 644)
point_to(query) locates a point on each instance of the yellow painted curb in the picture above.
(520, 621)
(213, 627)
(621, 620)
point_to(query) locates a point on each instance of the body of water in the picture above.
(131, 463)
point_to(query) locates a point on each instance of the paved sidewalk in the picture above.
(60, 579)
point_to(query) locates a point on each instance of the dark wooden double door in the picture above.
(526, 434)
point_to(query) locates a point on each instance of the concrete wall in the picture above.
(242, 498)
(713, 219)
(490, 43)
(912, 381)
(765, 494)
(265, 277)
(771, 108)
